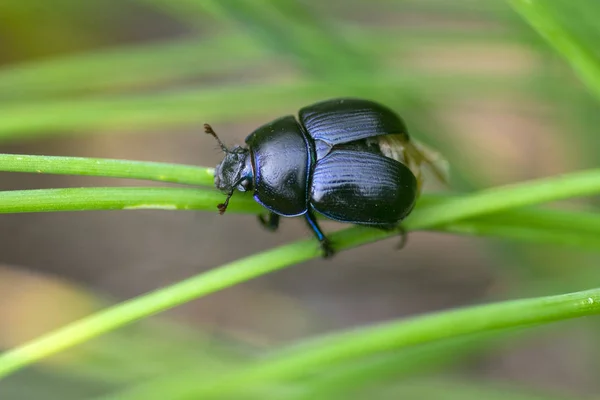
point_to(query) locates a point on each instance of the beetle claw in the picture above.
(327, 249)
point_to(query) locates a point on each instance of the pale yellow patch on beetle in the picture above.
(413, 154)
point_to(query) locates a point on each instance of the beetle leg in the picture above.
(414, 165)
(420, 154)
(325, 243)
(401, 231)
(403, 237)
(270, 221)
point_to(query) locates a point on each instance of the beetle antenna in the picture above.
(209, 130)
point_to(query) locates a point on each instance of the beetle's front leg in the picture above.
(326, 247)
(270, 221)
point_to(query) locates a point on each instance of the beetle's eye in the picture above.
(246, 184)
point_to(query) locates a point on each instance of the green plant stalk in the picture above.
(426, 217)
(153, 171)
(291, 28)
(127, 113)
(524, 233)
(120, 66)
(401, 366)
(451, 389)
(166, 61)
(119, 198)
(561, 220)
(301, 359)
(434, 211)
(334, 382)
(489, 201)
(537, 13)
(335, 348)
(565, 228)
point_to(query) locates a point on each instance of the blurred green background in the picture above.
(136, 79)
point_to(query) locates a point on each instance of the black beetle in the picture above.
(350, 160)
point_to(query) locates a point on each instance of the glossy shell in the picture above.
(347, 159)
(281, 159)
(342, 121)
(362, 188)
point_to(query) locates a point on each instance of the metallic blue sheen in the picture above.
(342, 121)
(321, 163)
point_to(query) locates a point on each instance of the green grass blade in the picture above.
(585, 63)
(189, 12)
(132, 66)
(506, 197)
(446, 389)
(128, 66)
(336, 348)
(426, 217)
(34, 119)
(540, 226)
(564, 228)
(525, 233)
(157, 301)
(289, 27)
(152, 171)
(124, 113)
(304, 358)
(118, 198)
(342, 380)
(576, 229)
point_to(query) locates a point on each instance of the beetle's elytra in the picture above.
(350, 160)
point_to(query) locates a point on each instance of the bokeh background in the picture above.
(136, 79)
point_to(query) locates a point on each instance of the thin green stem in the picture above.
(301, 359)
(502, 198)
(118, 198)
(432, 214)
(172, 60)
(564, 228)
(570, 228)
(157, 301)
(338, 347)
(195, 106)
(538, 14)
(524, 233)
(152, 171)
(120, 66)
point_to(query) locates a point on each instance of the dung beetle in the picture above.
(350, 160)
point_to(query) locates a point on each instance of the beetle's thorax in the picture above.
(235, 168)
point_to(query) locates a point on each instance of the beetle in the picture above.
(348, 159)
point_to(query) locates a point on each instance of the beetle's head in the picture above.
(234, 172)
